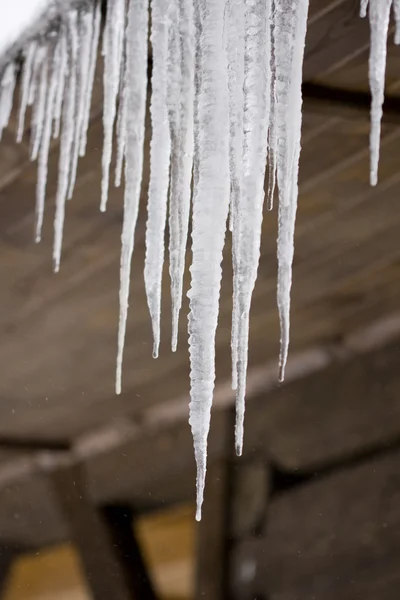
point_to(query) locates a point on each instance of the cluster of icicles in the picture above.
(225, 113)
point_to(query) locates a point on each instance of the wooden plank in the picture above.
(338, 537)
(346, 409)
(328, 417)
(346, 104)
(105, 573)
(8, 555)
(333, 36)
(120, 524)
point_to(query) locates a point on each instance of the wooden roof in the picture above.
(59, 332)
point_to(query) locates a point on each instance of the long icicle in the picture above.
(67, 138)
(210, 212)
(121, 124)
(289, 41)
(85, 34)
(7, 87)
(39, 112)
(379, 16)
(272, 138)
(160, 151)
(62, 77)
(136, 88)
(91, 74)
(113, 54)
(248, 207)
(182, 163)
(235, 27)
(54, 63)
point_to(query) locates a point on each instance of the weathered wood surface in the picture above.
(95, 537)
(324, 419)
(338, 537)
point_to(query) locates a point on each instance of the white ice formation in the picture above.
(225, 111)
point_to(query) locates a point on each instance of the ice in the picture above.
(25, 85)
(363, 8)
(135, 89)
(272, 137)
(396, 9)
(235, 27)
(62, 77)
(7, 86)
(37, 63)
(90, 77)
(121, 126)
(160, 151)
(379, 15)
(210, 212)
(290, 22)
(67, 137)
(113, 54)
(226, 102)
(181, 123)
(40, 104)
(85, 34)
(54, 64)
(248, 204)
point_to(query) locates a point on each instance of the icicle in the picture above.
(235, 27)
(160, 150)
(363, 8)
(379, 15)
(210, 212)
(67, 137)
(181, 121)
(85, 34)
(25, 85)
(249, 201)
(91, 73)
(113, 52)
(7, 87)
(121, 122)
(290, 22)
(38, 116)
(45, 141)
(272, 140)
(396, 9)
(62, 76)
(121, 129)
(136, 87)
(37, 63)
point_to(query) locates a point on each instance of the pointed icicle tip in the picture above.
(363, 8)
(239, 449)
(281, 376)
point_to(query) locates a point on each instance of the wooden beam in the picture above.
(346, 104)
(342, 411)
(7, 556)
(120, 523)
(95, 541)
